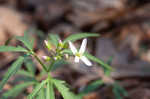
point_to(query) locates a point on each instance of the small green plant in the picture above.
(118, 91)
(44, 88)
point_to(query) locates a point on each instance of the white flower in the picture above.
(79, 54)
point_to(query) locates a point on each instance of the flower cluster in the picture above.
(79, 54)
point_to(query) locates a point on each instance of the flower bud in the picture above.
(48, 45)
(66, 56)
(57, 57)
(46, 58)
(61, 45)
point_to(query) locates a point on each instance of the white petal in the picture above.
(86, 61)
(77, 59)
(72, 47)
(83, 46)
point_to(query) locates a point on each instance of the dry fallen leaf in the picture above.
(11, 24)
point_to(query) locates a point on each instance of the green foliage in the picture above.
(12, 49)
(30, 65)
(67, 51)
(60, 85)
(78, 36)
(91, 57)
(24, 73)
(45, 89)
(26, 41)
(41, 94)
(107, 71)
(50, 91)
(24, 79)
(12, 70)
(119, 91)
(97, 60)
(91, 87)
(54, 38)
(37, 89)
(16, 90)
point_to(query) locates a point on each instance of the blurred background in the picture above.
(123, 25)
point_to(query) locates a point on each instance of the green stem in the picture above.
(51, 65)
(49, 76)
(42, 64)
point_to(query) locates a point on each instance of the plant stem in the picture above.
(51, 65)
(49, 76)
(42, 64)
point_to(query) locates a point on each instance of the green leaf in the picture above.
(91, 87)
(95, 59)
(26, 41)
(30, 65)
(12, 49)
(12, 70)
(106, 71)
(60, 85)
(41, 94)
(110, 60)
(24, 73)
(122, 90)
(78, 36)
(37, 89)
(54, 38)
(50, 91)
(117, 94)
(15, 91)
(119, 91)
(24, 79)
(91, 57)
(67, 51)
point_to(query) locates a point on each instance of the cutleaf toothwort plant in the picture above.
(59, 53)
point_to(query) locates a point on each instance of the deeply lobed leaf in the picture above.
(30, 65)
(97, 60)
(16, 90)
(37, 89)
(26, 41)
(54, 38)
(119, 91)
(91, 87)
(60, 85)
(50, 91)
(12, 49)
(78, 36)
(12, 70)
(41, 94)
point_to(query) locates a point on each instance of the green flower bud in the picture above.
(48, 44)
(46, 58)
(60, 44)
(57, 57)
